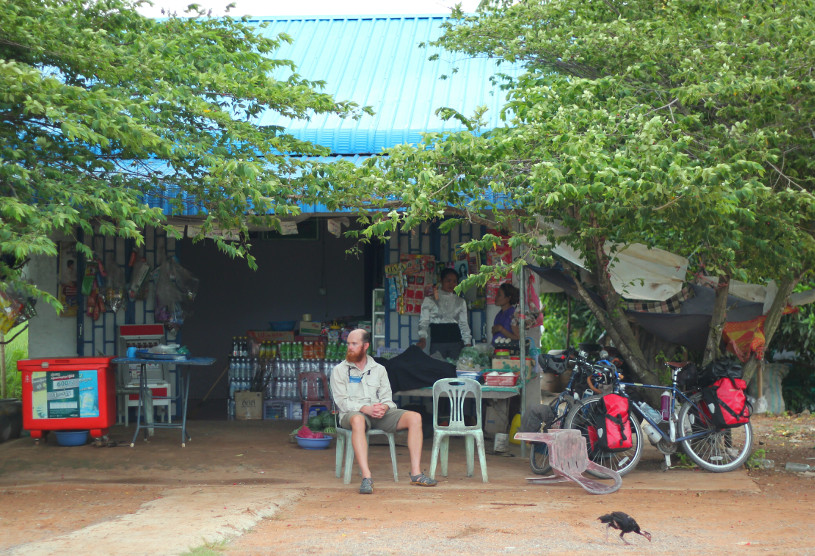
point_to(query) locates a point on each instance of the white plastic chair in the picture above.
(345, 451)
(458, 390)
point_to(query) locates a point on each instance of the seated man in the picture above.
(362, 394)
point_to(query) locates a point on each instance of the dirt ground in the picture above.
(239, 487)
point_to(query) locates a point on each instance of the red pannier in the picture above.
(727, 403)
(614, 424)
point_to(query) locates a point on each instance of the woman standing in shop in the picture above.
(505, 324)
(443, 321)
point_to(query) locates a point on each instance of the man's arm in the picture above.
(384, 393)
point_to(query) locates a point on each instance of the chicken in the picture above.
(623, 523)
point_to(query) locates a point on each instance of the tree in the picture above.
(681, 125)
(102, 110)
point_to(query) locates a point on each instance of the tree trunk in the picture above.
(613, 318)
(717, 320)
(771, 323)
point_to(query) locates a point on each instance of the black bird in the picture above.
(623, 523)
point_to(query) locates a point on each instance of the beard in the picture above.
(354, 356)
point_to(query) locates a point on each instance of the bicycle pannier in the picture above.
(721, 368)
(614, 424)
(726, 403)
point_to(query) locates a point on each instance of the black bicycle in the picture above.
(575, 390)
(689, 425)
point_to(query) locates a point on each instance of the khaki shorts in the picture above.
(388, 423)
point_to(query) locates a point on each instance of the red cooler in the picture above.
(74, 393)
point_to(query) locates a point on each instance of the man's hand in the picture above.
(377, 410)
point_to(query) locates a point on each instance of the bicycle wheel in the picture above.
(720, 450)
(539, 454)
(586, 414)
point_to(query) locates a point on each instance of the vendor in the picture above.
(505, 324)
(443, 321)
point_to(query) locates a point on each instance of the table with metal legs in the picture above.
(145, 396)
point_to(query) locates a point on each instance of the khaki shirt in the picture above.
(373, 387)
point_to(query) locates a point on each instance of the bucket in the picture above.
(513, 428)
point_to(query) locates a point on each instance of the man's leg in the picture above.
(412, 421)
(360, 443)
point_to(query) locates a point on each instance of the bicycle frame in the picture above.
(671, 435)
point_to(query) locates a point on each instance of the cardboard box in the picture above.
(496, 417)
(513, 364)
(310, 328)
(248, 405)
(280, 335)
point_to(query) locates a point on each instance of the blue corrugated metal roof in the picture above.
(377, 61)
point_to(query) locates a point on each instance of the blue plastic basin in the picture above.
(314, 443)
(72, 438)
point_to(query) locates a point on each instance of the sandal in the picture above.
(422, 480)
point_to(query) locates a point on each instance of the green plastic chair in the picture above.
(458, 390)
(345, 451)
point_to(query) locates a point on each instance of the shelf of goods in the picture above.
(378, 318)
(274, 370)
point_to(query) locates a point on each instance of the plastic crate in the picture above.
(503, 380)
(278, 409)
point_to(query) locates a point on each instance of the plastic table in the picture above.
(144, 391)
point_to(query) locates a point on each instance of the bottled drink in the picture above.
(653, 435)
(652, 413)
(665, 405)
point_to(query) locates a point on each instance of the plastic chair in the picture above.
(345, 451)
(314, 393)
(458, 390)
(569, 459)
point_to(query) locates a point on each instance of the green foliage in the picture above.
(796, 332)
(15, 350)
(796, 335)
(755, 459)
(102, 109)
(798, 387)
(584, 327)
(678, 125)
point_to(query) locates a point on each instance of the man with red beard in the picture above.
(363, 395)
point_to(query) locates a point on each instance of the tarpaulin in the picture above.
(745, 338)
(689, 322)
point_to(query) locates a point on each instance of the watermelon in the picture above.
(327, 418)
(315, 423)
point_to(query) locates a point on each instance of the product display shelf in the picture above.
(378, 318)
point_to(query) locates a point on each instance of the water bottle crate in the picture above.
(278, 409)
